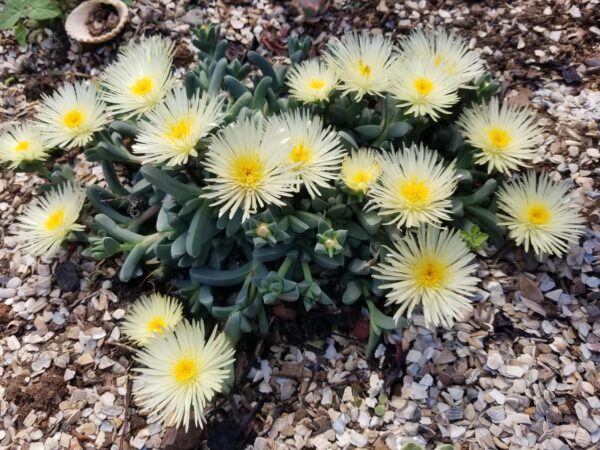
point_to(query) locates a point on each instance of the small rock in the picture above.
(67, 277)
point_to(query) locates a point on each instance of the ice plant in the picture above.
(433, 268)
(539, 214)
(170, 133)
(363, 63)
(423, 88)
(140, 78)
(182, 371)
(313, 151)
(415, 188)
(46, 224)
(22, 144)
(360, 170)
(504, 136)
(71, 115)
(151, 317)
(446, 50)
(249, 167)
(311, 82)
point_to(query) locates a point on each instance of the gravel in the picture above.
(520, 371)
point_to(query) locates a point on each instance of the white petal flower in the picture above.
(249, 168)
(313, 151)
(151, 317)
(363, 63)
(311, 82)
(504, 137)
(431, 267)
(182, 373)
(415, 188)
(539, 213)
(360, 170)
(46, 224)
(140, 78)
(446, 50)
(71, 115)
(171, 131)
(423, 88)
(22, 144)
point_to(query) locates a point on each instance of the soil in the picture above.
(102, 20)
(41, 395)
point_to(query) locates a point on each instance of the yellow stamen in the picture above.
(538, 214)
(248, 171)
(300, 153)
(316, 84)
(142, 86)
(364, 69)
(180, 130)
(423, 85)
(437, 60)
(361, 180)
(185, 370)
(415, 192)
(431, 274)
(499, 137)
(157, 325)
(73, 118)
(22, 146)
(55, 220)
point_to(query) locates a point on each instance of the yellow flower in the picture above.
(171, 131)
(360, 171)
(414, 188)
(363, 63)
(140, 78)
(71, 116)
(311, 81)
(250, 170)
(46, 224)
(151, 317)
(446, 51)
(423, 88)
(22, 144)
(314, 152)
(504, 137)
(182, 373)
(539, 213)
(431, 267)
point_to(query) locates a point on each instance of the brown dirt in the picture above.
(42, 394)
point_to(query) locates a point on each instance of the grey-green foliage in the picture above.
(315, 251)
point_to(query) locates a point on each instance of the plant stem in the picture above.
(306, 272)
(285, 266)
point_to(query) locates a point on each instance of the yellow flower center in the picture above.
(73, 118)
(248, 171)
(361, 179)
(499, 137)
(22, 146)
(142, 86)
(55, 220)
(364, 70)
(430, 273)
(415, 192)
(316, 84)
(423, 85)
(180, 130)
(185, 370)
(538, 214)
(300, 153)
(157, 325)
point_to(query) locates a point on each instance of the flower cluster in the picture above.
(182, 370)
(367, 166)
